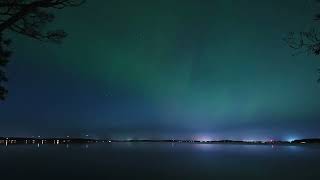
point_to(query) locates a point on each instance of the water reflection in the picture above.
(159, 161)
(206, 147)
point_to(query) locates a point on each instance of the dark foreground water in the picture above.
(159, 161)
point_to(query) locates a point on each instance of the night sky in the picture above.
(209, 69)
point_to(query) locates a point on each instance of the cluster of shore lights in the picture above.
(68, 140)
(8, 141)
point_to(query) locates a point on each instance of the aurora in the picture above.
(132, 69)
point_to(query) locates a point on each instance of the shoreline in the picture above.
(15, 140)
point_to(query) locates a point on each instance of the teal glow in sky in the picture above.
(215, 68)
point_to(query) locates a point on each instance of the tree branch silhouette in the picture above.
(28, 18)
(306, 42)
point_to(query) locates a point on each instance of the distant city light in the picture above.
(291, 138)
(204, 138)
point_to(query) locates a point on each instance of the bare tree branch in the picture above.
(29, 18)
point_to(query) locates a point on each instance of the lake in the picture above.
(159, 161)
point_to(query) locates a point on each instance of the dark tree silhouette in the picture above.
(307, 42)
(4, 55)
(29, 18)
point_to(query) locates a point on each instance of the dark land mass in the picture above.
(308, 141)
(21, 140)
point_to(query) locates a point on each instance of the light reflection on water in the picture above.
(160, 161)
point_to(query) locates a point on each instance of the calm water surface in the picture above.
(159, 161)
